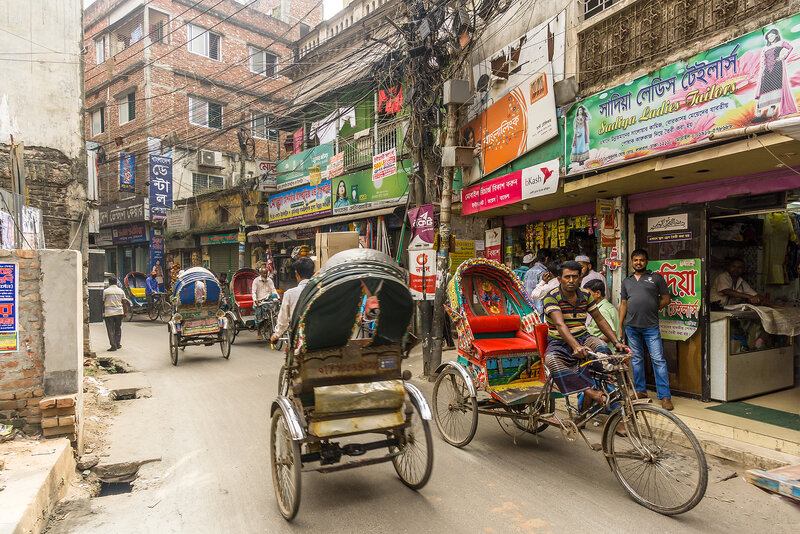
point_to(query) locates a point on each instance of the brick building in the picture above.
(163, 77)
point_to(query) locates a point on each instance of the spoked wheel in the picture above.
(535, 429)
(286, 466)
(660, 462)
(514, 427)
(454, 410)
(226, 339)
(154, 311)
(233, 325)
(415, 461)
(164, 308)
(173, 348)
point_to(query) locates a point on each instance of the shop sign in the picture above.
(267, 167)
(160, 187)
(492, 244)
(127, 172)
(178, 219)
(384, 165)
(131, 233)
(125, 212)
(8, 307)
(667, 223)
(421, 219)
(294, 170)
(422, 273)
(672, 236)
(301, 204)
(336, 165)
(220, 239)
(743, 82)
(680, 319)
(464, 250)
(157, 249)
(103, 239)
(531, 182)
(359, 192)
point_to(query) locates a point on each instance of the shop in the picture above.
(130, 250)
(220, 253)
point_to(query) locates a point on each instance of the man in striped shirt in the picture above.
(113, 312)
(566, 309)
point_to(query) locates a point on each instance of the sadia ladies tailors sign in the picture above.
(744, 82)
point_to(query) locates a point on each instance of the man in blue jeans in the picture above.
(643, 294)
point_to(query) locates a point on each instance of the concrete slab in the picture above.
(35, 475)
(127, 385)
(130, 439)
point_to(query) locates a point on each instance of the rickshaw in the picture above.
(198, 319)
(499, 372)
(242, 308)
(134, 287)
(345, 397)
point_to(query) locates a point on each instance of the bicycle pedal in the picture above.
(596, 447)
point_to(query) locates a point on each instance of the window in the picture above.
(203, 183)
(593, 7)
(127, 108)
(203, 42)
(98, 121)
(263, 62)
(203, 113)
(259, 128)
(304, 30)
(159, 24)
(100, 49)
(127, 34)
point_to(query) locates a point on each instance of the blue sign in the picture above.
(129, 233)
(160, 187)
(8, 307)
(127, 172)
(156, 249)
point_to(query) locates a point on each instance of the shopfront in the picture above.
(220, 253)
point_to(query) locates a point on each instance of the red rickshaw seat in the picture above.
(515, 341)
(244, 301)
(480, 324)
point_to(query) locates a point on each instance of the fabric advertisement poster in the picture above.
(297, 141)
(160, 187)
(32, 231)
(421, 220)
(422, 273)
(464, 250)
(8, 307)
(384, 165)
(493, 245)
(294, 171)
(535, 181)
(359, 192)
(7, 222)
(127, 172)
(301, 204)
(681, 318)
(156, 249)
(336, 165)
(744, 82)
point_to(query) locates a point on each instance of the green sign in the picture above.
(294, 170)
(223, 239)
(747, 81)
(680, 319)
(359, 192)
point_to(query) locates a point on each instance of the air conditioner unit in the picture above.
(209, 158)
(236, 177)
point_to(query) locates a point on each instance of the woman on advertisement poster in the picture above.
(580, 144)
(341, 195)
(774, 91)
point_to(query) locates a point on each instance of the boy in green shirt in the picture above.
(606, 309)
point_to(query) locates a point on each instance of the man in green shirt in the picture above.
(606, 309)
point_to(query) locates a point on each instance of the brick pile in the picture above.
(60, 417)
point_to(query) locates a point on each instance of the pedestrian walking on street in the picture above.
(644, 293)
(303, 270)
(113, 312)
(534, 275)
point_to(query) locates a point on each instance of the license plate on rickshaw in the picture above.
(201, 326)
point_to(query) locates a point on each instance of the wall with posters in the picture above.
(293, 171)
(746, 81)
(301, 204)
(366, 190)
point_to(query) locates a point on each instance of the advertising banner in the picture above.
(421, 220)
(464, 250)
(156, 249)
(8, 230)
(8, 307)
(681, 318)
(535, 181)
(422, 273)
(747, 81)
(160, 187)
(127, 172)
(384, 165)
(493, 244)
(297, 141)
(294, 170)
(359, 192)
(336, 165)
(131, 233)
(301, 204)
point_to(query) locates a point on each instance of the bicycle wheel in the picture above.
(225, 343)
(454, 410)
(154, 311)
(526, 427)
(165, 308)
(415, 461)
(173, 348)
(660, 462)
(286, 466)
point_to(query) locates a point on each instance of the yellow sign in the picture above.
(464, 250)
(315, 175)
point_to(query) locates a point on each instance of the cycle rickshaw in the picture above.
(499, 372)
(198, 319)
(344, 397)
(134, 287)
(243, 309)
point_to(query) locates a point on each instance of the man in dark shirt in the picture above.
(643, 294)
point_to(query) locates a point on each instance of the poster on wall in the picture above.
(422, 273)
(744, 82)
(360, 192)
(493, 245)
(464, 250)
(301, 204)
(535, 181)
(680, 319)
(7, 222)
(127, 172)
(8, 307)
(384, 165)
(294, 170)
(160, 187)
(156, 249)
(422, 233)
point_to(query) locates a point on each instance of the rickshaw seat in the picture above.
(138, 292)
(499, 335)
(493, 323)
(540, 332)
(244, 301)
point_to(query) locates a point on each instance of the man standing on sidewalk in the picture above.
(643, 294)
(534, 275)
(113, 312)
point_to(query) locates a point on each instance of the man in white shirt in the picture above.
(730, 288)
(548, 282)
(303, 270)
(262, 289)
(588, 273)
(113, 312)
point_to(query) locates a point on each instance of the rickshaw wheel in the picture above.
(129, 317)
(283, 381)
(286, 466)
(659, 462)
(232, 322)
(551, 407)
(454, 410)
(225, 342)
(415, 461)
(173, 348)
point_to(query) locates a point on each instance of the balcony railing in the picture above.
(358, 152)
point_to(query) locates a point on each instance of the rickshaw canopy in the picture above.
(196, 286)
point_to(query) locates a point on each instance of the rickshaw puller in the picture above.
(303, 271)
(262, 289)
(566, 308)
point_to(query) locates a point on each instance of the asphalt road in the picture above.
(210, 423)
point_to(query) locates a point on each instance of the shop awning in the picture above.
(261, 235)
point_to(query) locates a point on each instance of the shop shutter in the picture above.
(223, 259)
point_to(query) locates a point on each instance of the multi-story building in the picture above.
(179, 104)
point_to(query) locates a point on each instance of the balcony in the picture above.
(359, 149)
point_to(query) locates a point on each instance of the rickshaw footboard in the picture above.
(353, 464)
(331, 453)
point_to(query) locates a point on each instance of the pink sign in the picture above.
(297, 141)
(492, 194)
(493, 244)
(422, 223)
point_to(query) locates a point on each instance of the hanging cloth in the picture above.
(390, 100)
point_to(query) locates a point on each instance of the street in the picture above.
(212, 432)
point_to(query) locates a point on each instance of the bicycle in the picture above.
(160, 307)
